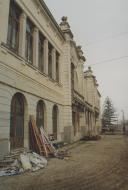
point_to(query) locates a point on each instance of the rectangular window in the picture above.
(57, 66)
(50, 60)
(29, 41)
(41, 52)
(13, 26)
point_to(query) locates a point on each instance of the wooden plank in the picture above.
(39, 139)
(49, 145)
(36, 133)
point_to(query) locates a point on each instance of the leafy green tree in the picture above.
(109, 116)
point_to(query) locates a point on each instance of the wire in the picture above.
(107, 38)
(110, 60)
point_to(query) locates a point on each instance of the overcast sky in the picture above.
(101, 27)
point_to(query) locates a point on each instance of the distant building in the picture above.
(41, 74)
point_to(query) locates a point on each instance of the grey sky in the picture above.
(101, 27)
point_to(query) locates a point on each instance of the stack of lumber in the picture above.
(39, 141)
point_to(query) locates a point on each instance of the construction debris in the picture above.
(28, 160)
(62, 154)
(24, 158)
(39, 141)
(37, 161)
(9, 172)
(25, 162)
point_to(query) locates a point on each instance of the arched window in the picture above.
(17, 121)
(55, 120)
(40, 114)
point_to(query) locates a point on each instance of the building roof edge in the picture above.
(52, 17)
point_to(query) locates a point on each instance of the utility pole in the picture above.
(123, 120)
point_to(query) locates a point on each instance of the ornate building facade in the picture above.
(41, 74)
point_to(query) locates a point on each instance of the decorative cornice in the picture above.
(51, 17)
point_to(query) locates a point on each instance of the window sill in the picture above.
(51, 79)
(59, 84)
(42, 73)
(7, 49)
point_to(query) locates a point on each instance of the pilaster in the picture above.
(54, 63)
(46, 56)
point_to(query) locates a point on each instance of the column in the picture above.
(90, 123)
(95, 124)
(46, 56)
(54, 64)
(22, 35)
(87, 120)
(35, 47)
(86, 125)
(88, 115)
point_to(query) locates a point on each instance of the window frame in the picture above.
(13, 27)
(40, 114)
(41, 52)
(57, 66)
(72, 76)
(29, 41)
(50, 60)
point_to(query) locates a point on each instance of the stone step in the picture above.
(9, 158)
(6, 163)
(14, 154)
(18, 150)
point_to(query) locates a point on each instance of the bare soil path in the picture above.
(96, 165)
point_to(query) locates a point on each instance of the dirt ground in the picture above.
(96, 165)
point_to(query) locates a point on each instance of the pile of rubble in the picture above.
(16, 163)
(20, 160)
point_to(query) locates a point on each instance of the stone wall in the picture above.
(17, 75)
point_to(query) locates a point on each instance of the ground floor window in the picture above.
(17, 121)
(55, 120)
(40, 114)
